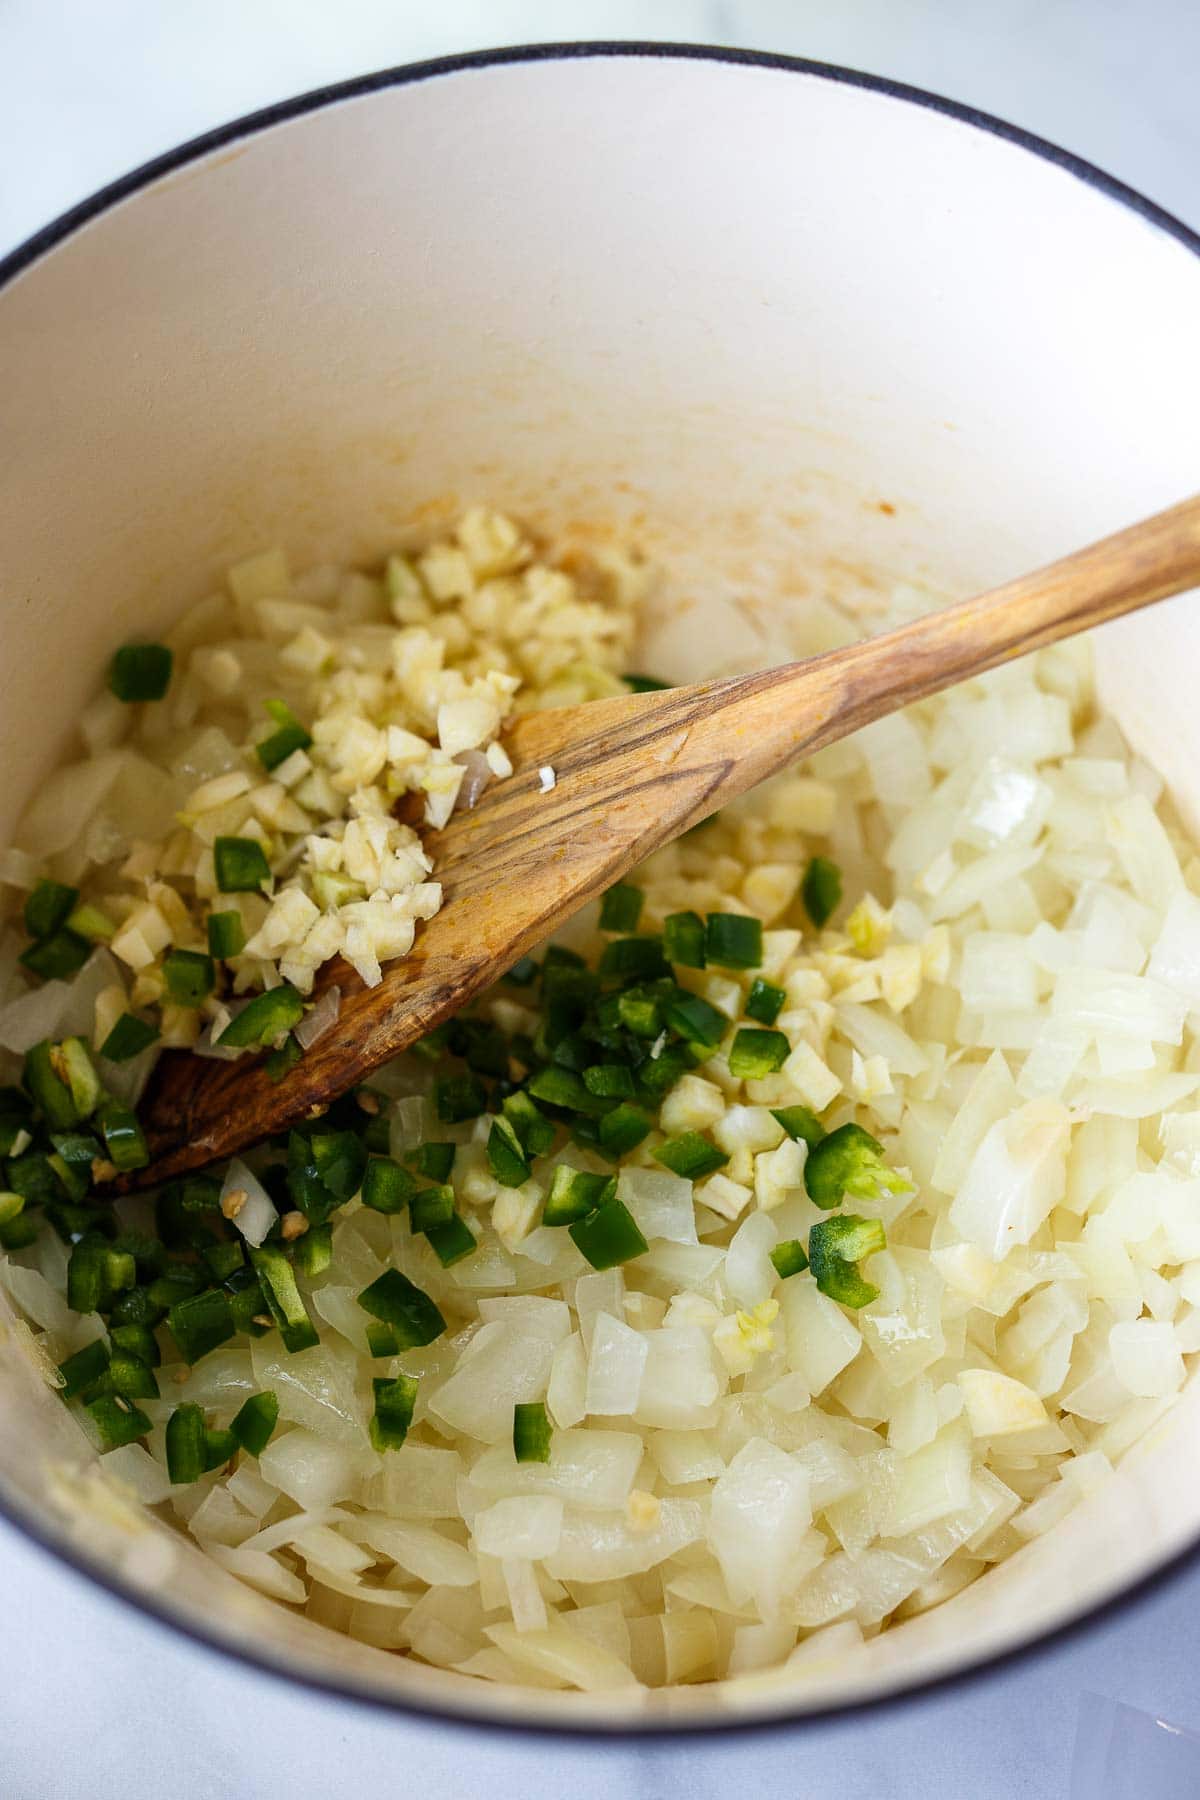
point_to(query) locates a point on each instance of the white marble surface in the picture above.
(101, 1704)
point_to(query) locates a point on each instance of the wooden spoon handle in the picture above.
(1157, 557)
(769, 719)
(635, 771)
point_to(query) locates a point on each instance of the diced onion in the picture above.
(616, 1363)
(319, 1019)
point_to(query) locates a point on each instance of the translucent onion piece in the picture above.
(476, 777)
(319, 1019)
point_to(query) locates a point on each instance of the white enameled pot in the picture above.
(796, 331)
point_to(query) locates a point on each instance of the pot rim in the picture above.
(31, 251)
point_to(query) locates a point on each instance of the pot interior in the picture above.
(797, 337)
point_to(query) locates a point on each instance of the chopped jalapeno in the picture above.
(574, 1193)
(340, 1158)
(139, 1341)
(691, 1156)
(412, 1314)
(200, 1322)
(505, 1155)
(96, 1273)
(189, 975)
(226, 935)
(800, 1124)
(35, 1178)
(531, 1431)
(622, 1129)
(219, 1447)
(128, 1038)
(850, 1161)
(241, 865)
(695, 1019)
(658, 1074)
(49, 906)
(534, 1130)
(140, 672)
(19, 1232)
(284, 1302)
(116, 1421)
(387, 1188)
(683, 939)
(45, 1076)
(185, 1444)
(85, 1366)
(394, 1403)
(435, 1161)
(621, 908)
(433, 1206)
(255, 1420)
(560, 1087)
(609, 1081)
(90, 923)
(789, 1258)
(248, 1303)
(452, 1241)
(733, 941)
(382, 1339)
(267, 1017)
(123, 1138)
(640, 1012)
(765, 1001)
(821, 890)
(836, 1247)
(74, 1154)
(756, 1053)
(57, 957)
(634, 958)
(288, 737)
(459, 1097)
(285, 1057)
(314, 1250)
(128, 1376)
(608, 1236)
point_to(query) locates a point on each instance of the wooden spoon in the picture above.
(628, 775)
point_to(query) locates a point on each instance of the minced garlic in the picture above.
(397, 679)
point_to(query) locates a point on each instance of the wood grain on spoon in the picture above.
(629, 775)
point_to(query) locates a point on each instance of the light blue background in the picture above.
(98, 1704)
